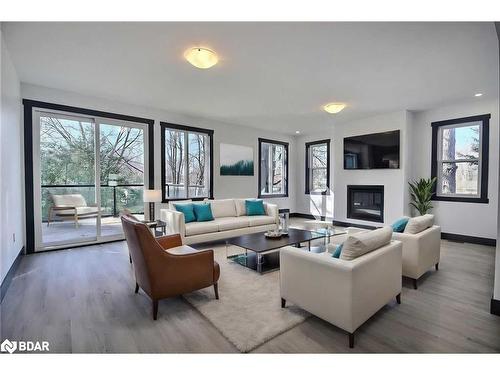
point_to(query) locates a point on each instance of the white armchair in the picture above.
(70, 207)
(344, 293)
(421, 252)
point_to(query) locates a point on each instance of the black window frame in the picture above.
(485, 142)
(210, 133)
(281, 143)
(308, 169)
(29, 207)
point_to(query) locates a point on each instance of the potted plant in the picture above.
(421, 193)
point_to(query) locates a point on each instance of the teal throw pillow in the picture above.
(203, 212)
(400, 224)
(187, 210)
(254, 207)
(338, 250)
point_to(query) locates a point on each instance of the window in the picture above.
(318, 167)
(273, 168)
(103, 160)
(187, 162)
(460, 159)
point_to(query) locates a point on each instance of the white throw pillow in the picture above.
(361, 243)
(223, 208)
(420, 223)
(171, 203)
(241, 208)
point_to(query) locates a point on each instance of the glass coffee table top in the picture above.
(262, 253)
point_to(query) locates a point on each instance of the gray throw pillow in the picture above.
(420, 223)
(362, 243)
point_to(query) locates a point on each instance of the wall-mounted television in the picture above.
(372, 151)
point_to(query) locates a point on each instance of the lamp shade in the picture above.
(200, 57)
(112, 179)
(334, 107)
(152, 195)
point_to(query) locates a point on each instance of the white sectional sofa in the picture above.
(230, 220)
(345, 293)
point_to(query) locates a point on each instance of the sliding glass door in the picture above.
(87, 170)
(66, 172)
(121, 167)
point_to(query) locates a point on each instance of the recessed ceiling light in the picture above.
(334, 107)
(200, 57)
(297, 132)
(478, 94)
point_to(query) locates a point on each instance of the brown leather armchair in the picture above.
(162, 274)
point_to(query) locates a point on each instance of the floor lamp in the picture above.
(152, 197)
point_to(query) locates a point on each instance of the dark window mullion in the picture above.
(482, 162)
(284, 169)
(186, 130)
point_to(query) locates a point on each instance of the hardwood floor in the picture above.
(83, 300)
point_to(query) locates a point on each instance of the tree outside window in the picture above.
(273, 168)
(460, 158)
(186, 162)
(67, 162)
(317, 167)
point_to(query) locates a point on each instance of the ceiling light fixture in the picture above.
(200, 57)
(297, 132)
(334, 107)
(478, 94)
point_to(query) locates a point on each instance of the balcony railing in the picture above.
(113, 198)
(178, 191)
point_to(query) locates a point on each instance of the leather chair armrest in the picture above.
(169, 241)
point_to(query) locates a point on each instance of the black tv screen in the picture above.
(372, 151)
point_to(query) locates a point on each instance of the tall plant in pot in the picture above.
(421, 193)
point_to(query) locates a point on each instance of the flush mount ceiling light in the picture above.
(478, 94)
(334, 107)
(200, 57)
(297, 132)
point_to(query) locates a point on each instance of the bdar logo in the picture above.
(8, 346)
(24, 346)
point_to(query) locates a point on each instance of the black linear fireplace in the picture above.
(365, 202)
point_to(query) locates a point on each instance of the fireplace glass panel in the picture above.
(366, 203)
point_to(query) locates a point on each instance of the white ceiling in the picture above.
(271, 75)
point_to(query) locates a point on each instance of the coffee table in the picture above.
(262, 253)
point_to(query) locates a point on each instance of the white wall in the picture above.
(224, 186)
(393, 180)
(472, 219)
(460, 218)
(12, 188)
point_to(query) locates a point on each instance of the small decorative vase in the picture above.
(284, 217)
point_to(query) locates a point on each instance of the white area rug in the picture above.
(249, 311)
